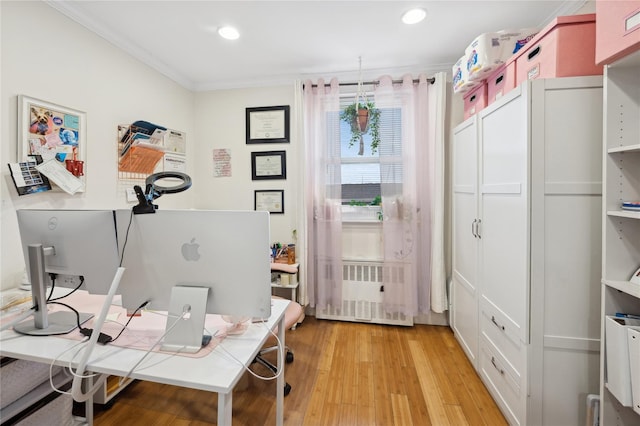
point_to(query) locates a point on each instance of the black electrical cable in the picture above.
(69, 307)
(68, 294)
(126, 238)
(53, 285)
(130, 318)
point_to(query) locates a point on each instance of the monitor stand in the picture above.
(189, 302)
(44, 323)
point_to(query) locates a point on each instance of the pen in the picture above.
(631, 316)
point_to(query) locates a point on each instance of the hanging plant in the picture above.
(363, 118)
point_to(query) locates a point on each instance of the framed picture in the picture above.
(270, 200)
(268, 165)
(52, 132)
(268, 124)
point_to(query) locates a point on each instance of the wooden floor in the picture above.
(343, 374)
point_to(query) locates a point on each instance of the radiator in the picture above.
(362, 296)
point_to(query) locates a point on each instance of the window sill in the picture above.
(366, 214)
(362, 221)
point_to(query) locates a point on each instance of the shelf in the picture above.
(624, 213)
(628, 148)
(291, 286)
(624, 286)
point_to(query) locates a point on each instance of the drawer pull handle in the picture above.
(473, 228)
(499, 80)
(493, 361)
(493, 320)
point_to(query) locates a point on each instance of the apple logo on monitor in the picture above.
(190, 251)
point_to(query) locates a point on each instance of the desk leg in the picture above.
(294, 297)
(88, 405)
(225, 405)
(280, 381)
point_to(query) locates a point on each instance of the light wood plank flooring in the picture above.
(343, 374)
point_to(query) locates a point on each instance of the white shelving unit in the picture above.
(621, 229)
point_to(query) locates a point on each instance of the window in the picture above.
(363, 175)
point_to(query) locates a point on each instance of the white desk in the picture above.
(216, 372)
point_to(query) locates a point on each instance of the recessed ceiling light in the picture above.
(229, 33)
(414, 16)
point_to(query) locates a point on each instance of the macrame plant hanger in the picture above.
(362, 119)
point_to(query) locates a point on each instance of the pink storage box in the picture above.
(501, 81)
(617, 29)
(475, 100)
(564, 48)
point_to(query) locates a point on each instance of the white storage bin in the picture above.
(618, 377)
(58, 412)
(18, 377)
(489, 51)
(633, 340)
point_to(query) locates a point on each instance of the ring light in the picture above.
(151, 179)
(153, 191)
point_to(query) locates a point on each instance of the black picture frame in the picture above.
(267, 124)
(268, 165)
(271, 200)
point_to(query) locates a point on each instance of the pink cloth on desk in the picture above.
(143, 331)
(283, 267)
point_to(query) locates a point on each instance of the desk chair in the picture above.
(291, 317)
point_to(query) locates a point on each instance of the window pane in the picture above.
(352, 151)
(360, 173)
(360, 193)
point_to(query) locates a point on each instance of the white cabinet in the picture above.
(464, 309)
(527, 241)
(621, 229)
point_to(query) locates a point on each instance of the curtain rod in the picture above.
(374, 82)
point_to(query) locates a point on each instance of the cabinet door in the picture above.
(465, 244)
(503, 260)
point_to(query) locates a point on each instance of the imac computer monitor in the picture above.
(66, 242)
(195, 261)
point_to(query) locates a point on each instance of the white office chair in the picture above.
(292, 316)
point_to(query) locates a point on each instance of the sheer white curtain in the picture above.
(323, 193)
(412, 189)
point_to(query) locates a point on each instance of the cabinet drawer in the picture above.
(504, 383)
(617, 29)
(496, 327)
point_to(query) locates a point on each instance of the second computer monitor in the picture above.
(224, 251)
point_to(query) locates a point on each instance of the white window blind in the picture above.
(361, 175)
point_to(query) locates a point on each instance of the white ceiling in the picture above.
(284, 40)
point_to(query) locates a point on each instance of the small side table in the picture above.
(292, 287)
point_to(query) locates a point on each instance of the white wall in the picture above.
(59, 61)
(220, 123)
(47, 56)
